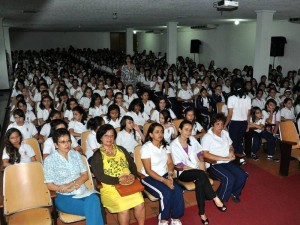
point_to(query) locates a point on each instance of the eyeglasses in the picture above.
(108, 136)
(64, 142)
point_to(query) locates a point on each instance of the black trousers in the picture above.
(203, 187)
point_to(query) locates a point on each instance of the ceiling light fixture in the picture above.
(236, 22)
(115, 16)
(134, 32)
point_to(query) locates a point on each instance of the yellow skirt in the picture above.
(112, 200)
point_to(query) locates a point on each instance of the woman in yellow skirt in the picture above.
(111, 165)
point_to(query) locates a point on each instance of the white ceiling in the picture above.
(96, 15)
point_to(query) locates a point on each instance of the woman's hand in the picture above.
(168, 182)
(126, 179)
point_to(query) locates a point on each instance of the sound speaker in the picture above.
(277, 46)
(195, 46)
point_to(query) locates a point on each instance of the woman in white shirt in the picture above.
(77, 125)
(258, 101)
(136, 111)
(272, 115)
(288, 112)
(130, 95)
(118, 100)
(239, 110)
(217, 146)
(170, 131)
(130, 135)
(148, 104)
(45, 108)
(158, 168)
(49, 147)
(15, 151)
(187, 154)
(96, 106)
(162, 103)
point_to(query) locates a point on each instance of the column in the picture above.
(7, 47)
(262, 43)
(171, 42)
(129, 41)
(4, 84)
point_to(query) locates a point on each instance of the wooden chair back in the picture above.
(84, 136)
(36, 148)
(177, 122)
(89, 183)
(24, 188)
(137, 158)
(219, 107)
(288, 132)
(146, 127)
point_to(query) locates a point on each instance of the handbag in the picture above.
(125, 190)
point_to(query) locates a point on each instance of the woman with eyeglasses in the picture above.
(66, 174)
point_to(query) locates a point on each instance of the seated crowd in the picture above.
(58, 95)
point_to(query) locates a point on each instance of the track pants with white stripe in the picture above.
(171, 202)
(232, 177)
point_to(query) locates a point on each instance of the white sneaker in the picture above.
(163, 223)
(176, 222)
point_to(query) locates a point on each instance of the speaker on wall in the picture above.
(195, 46)
(277, 46)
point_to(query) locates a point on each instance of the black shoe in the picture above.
(271, 157)
(221, 208)
(205, 222)
(236, 199)
(254, 157)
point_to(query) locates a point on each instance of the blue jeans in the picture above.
(88, 207)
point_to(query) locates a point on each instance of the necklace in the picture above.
(109, 152)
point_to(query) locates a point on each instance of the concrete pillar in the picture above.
(7, 47)
(4, 84)
(264, 23)
(171, 42)
(129, 41)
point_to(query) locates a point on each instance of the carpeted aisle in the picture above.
(266, 200)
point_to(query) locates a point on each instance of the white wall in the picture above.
(46, 40)
(229, 45)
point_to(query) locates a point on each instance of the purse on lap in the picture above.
(125, 190)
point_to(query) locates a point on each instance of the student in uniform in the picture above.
(130, 135)
(238, 119)
(15, 151)
(113, 116)
(136, 111)
(77, 125)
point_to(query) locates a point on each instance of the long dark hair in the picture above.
(253, 112)
(123, 124)
(94, 98)
(238, 88)
(150, 131)
(111, 108)
(135, 102)
(13, 152)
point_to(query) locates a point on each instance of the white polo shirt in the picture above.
(98, 111)
(85, 102)
(196, 127)
(260, 103)
(115, 123)
(168, 132)
(127, 140)
(240, 107)
(45, 131)
(25, 151)
(122, 111)
(43, 114)
(68, 114)
(185, 94)
(28, 130)
(129, 99)
(108, 102)
(288, 114)
(158, 156)
(100, 92)
(78, 127)
(276, 116)
(216, 145)
(171, 93)
(148, 107)
(155, 115)
(29, 117)
(139, 119)
(91, 144)
(261, 121)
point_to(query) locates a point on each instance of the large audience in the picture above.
(59, 94)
